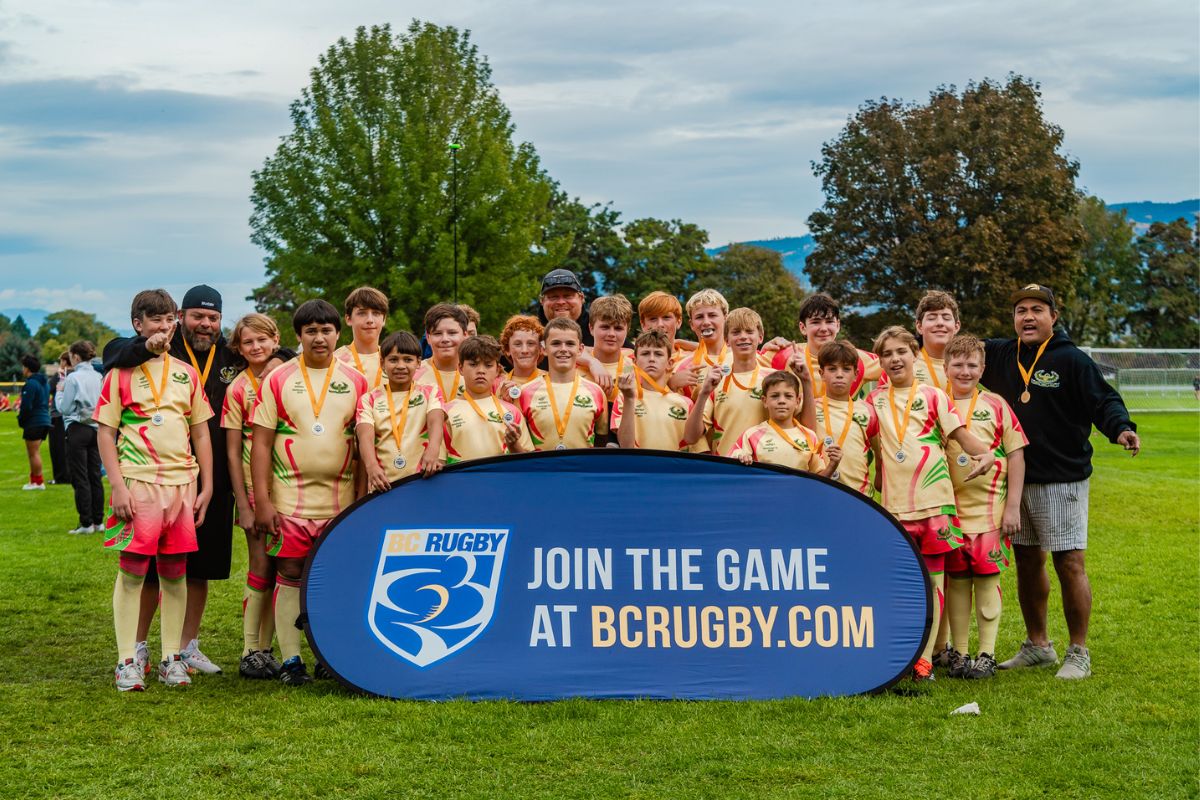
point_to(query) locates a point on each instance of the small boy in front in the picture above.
(445, 329)
(841, 421)
(478, 423)
(909, 423)
(366, 313)
(399, 426)
(780, 440)
(989, 509)
(563, 408)
(937, 324)
(302, 461)
(659, 415)
(160, 412)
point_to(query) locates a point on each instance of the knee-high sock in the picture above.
(266, 630)
(958, 609)
(987, 611)
(287, 611)
(172, 583)
(127, 599)
(254, 598)
(938, 581)
(943, 629)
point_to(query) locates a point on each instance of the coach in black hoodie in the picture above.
(1058, 394)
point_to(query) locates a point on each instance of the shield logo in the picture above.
(435, 590)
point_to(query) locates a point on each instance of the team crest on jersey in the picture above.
(228, 374)
(179, 377)
(583, 402)
(918, 404)
(981, 416)
(675, 412)
(860, 420)
(435, 590)
(339, 387)
(1047, 380)
(756, 393)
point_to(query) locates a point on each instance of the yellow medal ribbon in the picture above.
(155, 391)
(901, 431)
(929, 366)
(212, 351)
(316, 405)
(522, 381)
(437, 376)
(253, 380)
(620, 372)
(812, 371)
(971, 410)
(561, 423)
(753, 380)
(1028, 374)
(812, 445)
(642, 374)
(358, 363)
(483, 416)
(398, 427)
(702, 352)
(845, 428)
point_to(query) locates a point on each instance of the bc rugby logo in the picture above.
(435, 590)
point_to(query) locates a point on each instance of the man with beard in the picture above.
(198, 341)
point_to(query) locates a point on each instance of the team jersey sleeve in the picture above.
(872, 369)
(743, 447)
(200, 410)
(366, 414)
(433, 398)
(231, 411)
(266, 408)
(945, 414)
(524, 439)
(108, 409)
(1011, 436)
(618, 407)
(871, 429)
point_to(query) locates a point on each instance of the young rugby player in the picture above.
(521, 342)
(255, 339)
(842, 421)
(609, 320)
(820, 320)
(659, 415)
(478, 423)
(989, 509)
(563, 408)
(780, 440)
(301, 461)
(155, 507)
(445, 328)
(937, 324)
(908, 424)
(400, 424)
(706, 312)
(661, 310)
(737, 405)
(366, 313)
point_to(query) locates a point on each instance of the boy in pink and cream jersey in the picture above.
(780, 440)
(366, 313)
(478, 423)
(445, 329)
(842, 421)
(302, 461)
(656, 416)
(160, 413)
(563, 408)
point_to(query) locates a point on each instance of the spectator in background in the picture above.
(59, 468)
(34, 417)
(76, 399)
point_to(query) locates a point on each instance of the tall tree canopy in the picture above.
(1168, 292)
(60, 329)
(362, 190)
(755, 277)
(967, 193)
(1093, 312)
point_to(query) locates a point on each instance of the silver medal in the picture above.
(508, 416)
(561, 447)
(899, 456)
(836, 475)
(726, 369)
(515, 393)
(829, 441)
(158, 419)
(963, 460)
(399, 462)
(318, 428)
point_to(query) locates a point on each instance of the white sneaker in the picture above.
(33, 487)
(129, 676)
(1031, 655)
(142, 656)
(1077, 663)
(97, 529)
(194, 659)
(82, 529)
(173, 672)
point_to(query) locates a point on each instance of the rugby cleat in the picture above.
(1030, 655)
(173, 672)
(268, 657)
(293, 672)
(321, 672)
(195, 660)
(985, 667)
(254, 667)
(922, 671)
(129, 676)
(960, 665)
(944, 657)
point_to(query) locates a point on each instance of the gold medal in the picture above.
(1027, 374)
(1025, 396)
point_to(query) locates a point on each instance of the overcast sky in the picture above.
(129, 128)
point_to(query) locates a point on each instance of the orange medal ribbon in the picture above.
(378, 370)
(753, 380)
(483, 416)
(398, 427)
(1027, 374)
(253, 380)
(970, 410)
(702, 352)
(212, 351)
(929, 366)
(642, 374)
(845, 428)
(437, 376)
(812, 371)
(316, 404)
(155, 391)
(561, 423)
(901, 430)
(795, 445)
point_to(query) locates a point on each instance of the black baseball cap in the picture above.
(202, 296)
(561, 278)
(1034, 291)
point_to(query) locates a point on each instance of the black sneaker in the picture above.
(252, 666)
(960, 665)
(272, 663)
(293, 672)
(985, 666)
(942, 659)
(322, 673)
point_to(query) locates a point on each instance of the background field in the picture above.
(1130, 730)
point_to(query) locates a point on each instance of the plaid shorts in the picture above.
(1054, 516)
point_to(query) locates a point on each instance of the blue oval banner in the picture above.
(610, 573)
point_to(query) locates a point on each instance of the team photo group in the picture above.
(979, 449)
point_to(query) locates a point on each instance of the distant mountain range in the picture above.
(795, 249)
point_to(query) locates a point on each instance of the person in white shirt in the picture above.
(76, 398)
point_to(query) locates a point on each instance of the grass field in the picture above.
(1129, 731)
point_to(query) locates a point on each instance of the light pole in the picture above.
(454, 148)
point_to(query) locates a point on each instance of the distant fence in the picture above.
(11, 387)
(1151, 379)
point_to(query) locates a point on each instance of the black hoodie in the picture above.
(1067, 396)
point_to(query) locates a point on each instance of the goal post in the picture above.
(1151, 379)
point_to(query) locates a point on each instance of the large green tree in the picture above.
(657, 255)
(71, 326)
(1168, 291)
(594, 236)
(362, 191)
(1093, 312)
(755, 277)
(968, 193)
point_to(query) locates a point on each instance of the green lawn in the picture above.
(1129, 731)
